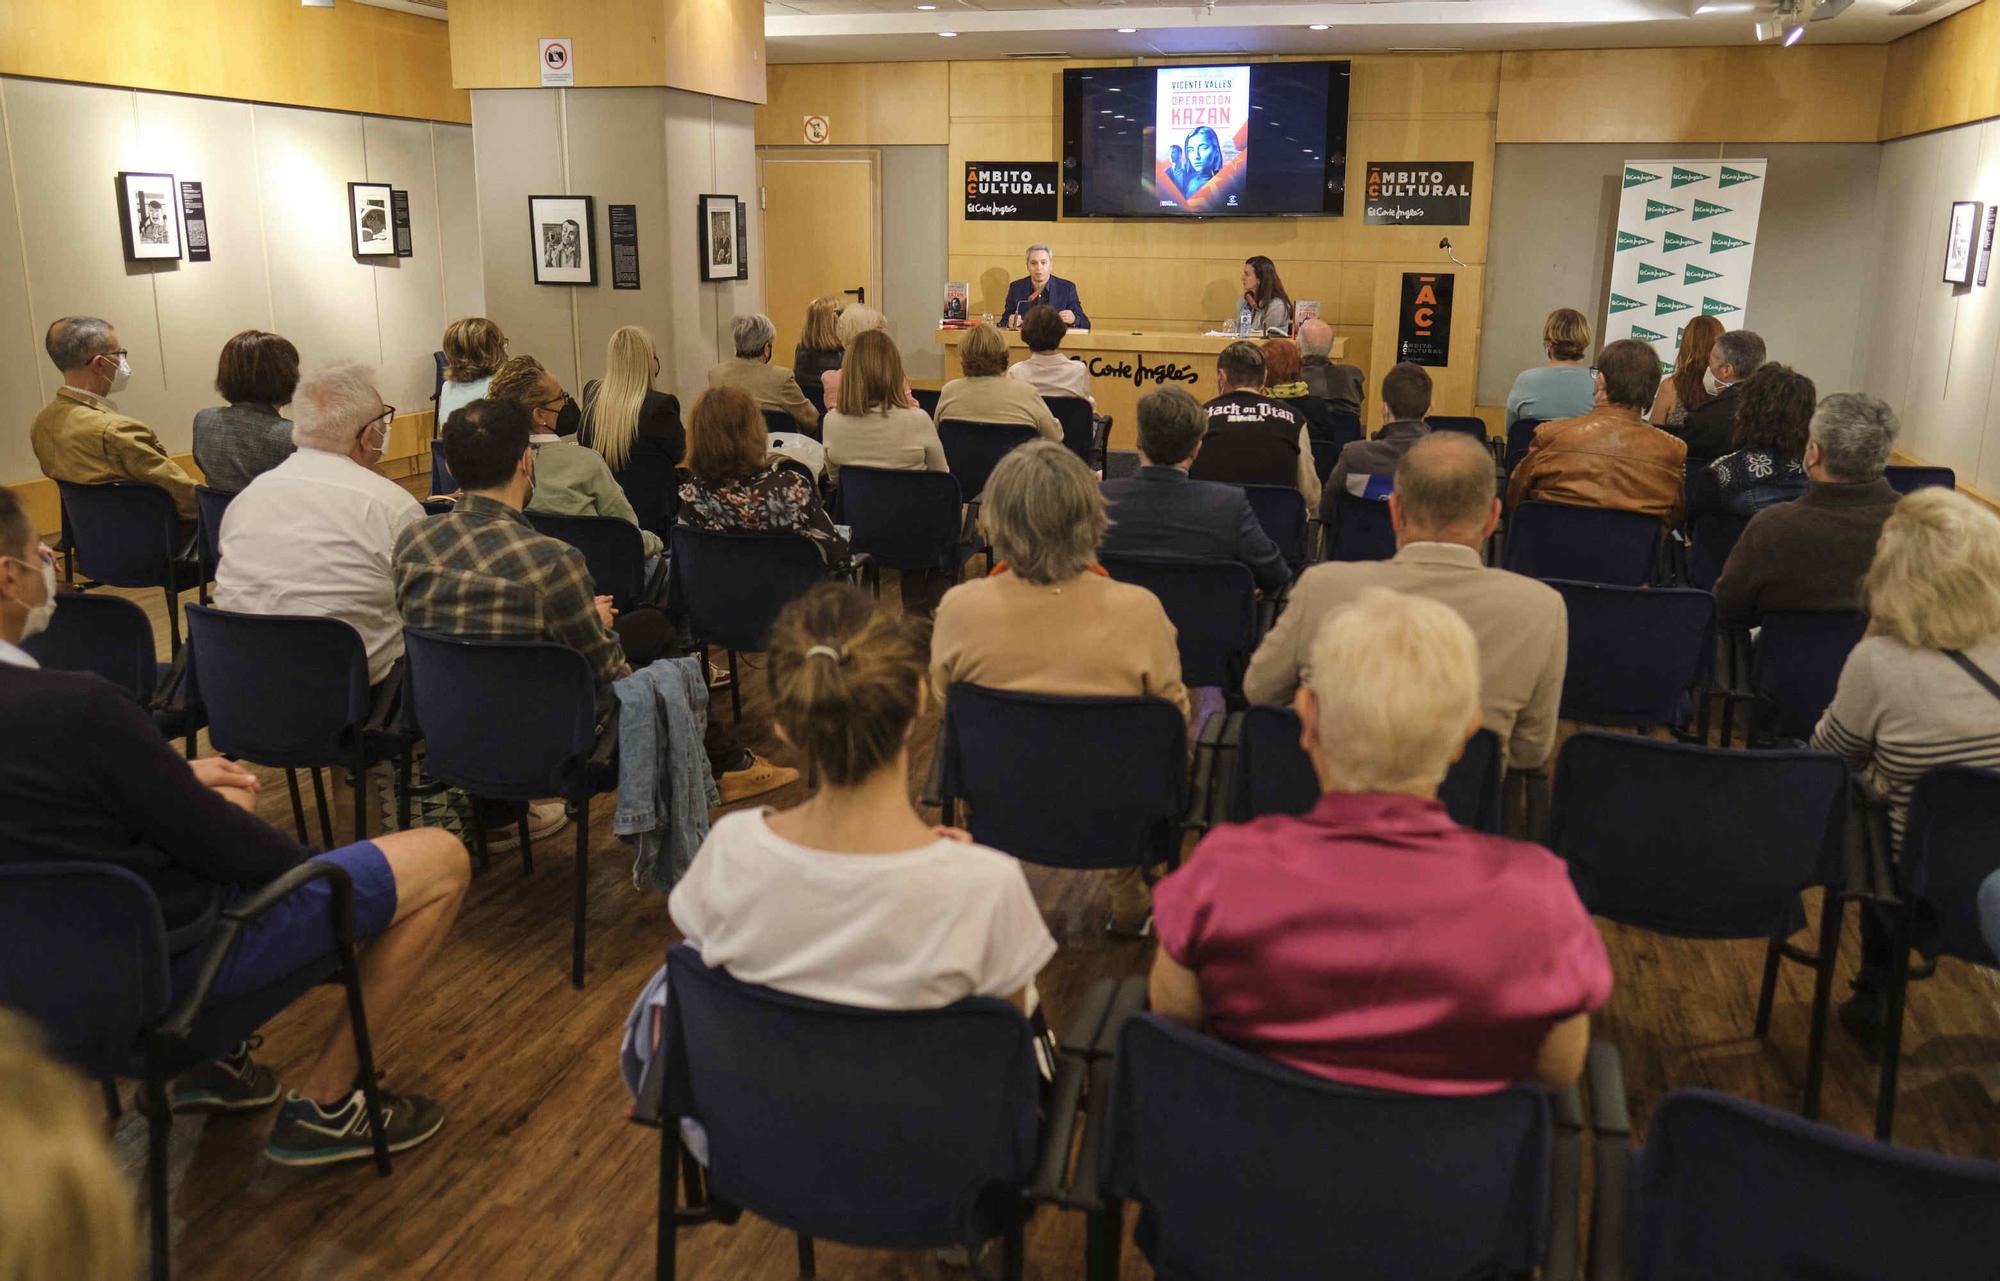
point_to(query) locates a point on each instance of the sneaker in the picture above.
(755, 779)
(236, 1083)
(545, 819)
(307, 1134)
(1118, 927)
(719, 677)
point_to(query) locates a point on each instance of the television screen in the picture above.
(1259, 140)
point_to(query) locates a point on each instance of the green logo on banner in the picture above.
(1718, 242)
(1682, 177)
(1619, 302)
(1639, 177)
(1730, 177)
(1703, 209)
(1646, 335)
(1678, 331)
(1695, 275)
(1663, 305)
(1647, 271)
(1626, 240)
(1675, 240)
(1716, 307)
(1659, 209)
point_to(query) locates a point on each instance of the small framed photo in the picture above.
(1961, 245)
(720, 248)
(368, 219)
(149, 213)
(562, 231)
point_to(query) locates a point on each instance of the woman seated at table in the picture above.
(736, 486)
(1766, 464)
(870, 424)
(1266, 307)
(986, 394)
(1372, 940)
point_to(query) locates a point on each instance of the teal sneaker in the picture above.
(233, 1084)
(307, 1134)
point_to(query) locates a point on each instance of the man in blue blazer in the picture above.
(1158, 511)
(1039, 287)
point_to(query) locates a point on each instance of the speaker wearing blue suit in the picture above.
(1040, 287)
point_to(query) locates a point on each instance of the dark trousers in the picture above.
(646, 633)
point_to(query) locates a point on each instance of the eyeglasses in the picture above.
(46, 557)
(557, 405)
(116, 354)
(388, 414)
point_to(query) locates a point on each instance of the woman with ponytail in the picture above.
(636, 428)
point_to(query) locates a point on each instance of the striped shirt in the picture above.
(1901, 711)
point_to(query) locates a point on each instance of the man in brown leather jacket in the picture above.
(1610, 457)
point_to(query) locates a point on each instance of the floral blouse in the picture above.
(1746, 482)
(772, 500)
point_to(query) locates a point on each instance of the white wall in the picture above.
(274, 180)
(917, 191)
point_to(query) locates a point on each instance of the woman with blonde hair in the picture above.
(735, 485)
(474, 349)
(870, 424)
(1563, 386)
(820, 348)
(1682, 389)
(986, 395)
(636, 427)
(570, 480)
(854, 322)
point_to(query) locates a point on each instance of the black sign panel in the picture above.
(742, 240)
(194, 221)
(1011, 191)
(1418, 194)
(624, 246)
(399, 218)
(1423, 332)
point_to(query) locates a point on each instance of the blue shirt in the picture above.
(1058, 293)
(1552, 392)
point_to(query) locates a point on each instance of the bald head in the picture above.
(1315, 338)
(1445, 492)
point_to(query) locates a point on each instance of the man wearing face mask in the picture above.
(1709, 425)
(79, 437)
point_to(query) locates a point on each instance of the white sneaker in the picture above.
(545, 819)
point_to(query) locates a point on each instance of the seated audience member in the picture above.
(317, 533)
(735, 484)
(854, 322)
(1285, 382)
(237, 442)
(1046, 369)
(1562, 386)
(1922, 689)
(1340, 385)
(1766, 462)
(1372, 940)
(1044, 515)
(1252, 439)
(1443, 511)
(474, 350)
(1158, 511)
(636, 428)
(1708, 427)
(80, 438)
(1367, 467)
(870, 424)
(820, 346)
(750, 369)
(570, 479)
(986, 394)
(1611, 457)
(1684, 389)
(67, 1211)
(1811, 553)
(482, 572)
(119, 794)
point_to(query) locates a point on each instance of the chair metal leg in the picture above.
(357, 1021)
(1831, 909)
(325, 814)
(361, 797)
(405, 765)
(159, 1125)
(298, 806)
(173, 618)
(735, 690)
(1011, 1252)
(667, 1233)
(1892, 1038)
(806, 1261)
(582, 887)
(1773, 955)
(527, 845)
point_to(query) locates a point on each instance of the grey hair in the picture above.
(1855, 434)
(332, 405)
(74, 341)
(1034, 249)
(1043, 513)
(1321, 341)
(1742, 351)
(856, 321)
(752, 333)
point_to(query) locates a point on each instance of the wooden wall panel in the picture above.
(617, 42)
(716, 47)
(1946, 74)
(864, 103)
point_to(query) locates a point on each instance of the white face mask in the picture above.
(123, 374)
(381, 451)
(39, 615)
(1711, 383)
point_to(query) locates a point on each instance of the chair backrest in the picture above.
(779, 420)
(1348, 1182)
(1712, 536)
(108, 635)
(730, 587)
(437, 506)
(1520, 434)
(437, 387)
(126, 533)
(1701, 842)
(209, 505)
(1078, 427)
(1949, 847)
(1906, 480)
(442, 481)
(1583, 544)
(1635, 652)
(903, 519)
(1796, 665)
(972, 450)
(881, 1128)
(1281, 510)
(815, 394)
(83, 951)
(613, 552)
(1241, 456)
(278, 689)
(1470, 426)
(1729, 1188)
(1361, 529)
(1106, 778)
(1273, 775)
(927, 400)
(1347, 428)
(504, 720)
(1212, 605)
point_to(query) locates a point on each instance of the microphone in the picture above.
(1445, 244)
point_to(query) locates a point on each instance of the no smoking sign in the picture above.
(555, 59)
(817, 130)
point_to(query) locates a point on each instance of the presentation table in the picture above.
(1125, 365)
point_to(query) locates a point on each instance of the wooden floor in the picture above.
(537, 1173)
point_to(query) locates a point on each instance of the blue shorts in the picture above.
(298, 930)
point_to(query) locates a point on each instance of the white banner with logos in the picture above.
(1687, 231)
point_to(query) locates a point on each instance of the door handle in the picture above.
(860, 294)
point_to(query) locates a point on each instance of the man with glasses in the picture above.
(79, 437)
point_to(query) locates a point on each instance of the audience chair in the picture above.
(1635, 653)
(1794, 670)
(1213, 607)
(972, 450)
(1520, 434)
(1583, 544)
(815, 395)
(1281, 510)
(1706, 843)
(615, 554)
(1905, 480)
(438, 506)
(1361, 530)
(513, 721)
(442, 481)
(83, 952)
(128, 535)
(903, 520)
(291, 692)
(1079, 427)
(728, 588)
(777, 420)
(438, 363)
(1473, 427)
(111, 637)
(210, 504)
(1711, 537)
(927, 400)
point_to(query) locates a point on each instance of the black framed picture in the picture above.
(1962, 242)
(562, 231)
(368, 219)
(717, 223)
(149, 215)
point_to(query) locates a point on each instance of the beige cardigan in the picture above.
(998, 399)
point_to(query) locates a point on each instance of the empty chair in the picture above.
(904, 520)
(729, 587)
(972, 450)
(927, 399)
(1212, 605)
(1906, 480)
(1584, 544)
(112, 636)
(1635, 652)
(1711, 537)
(1281, 510)
(128, 535)
(614, 553)
(210, 504)
(1079, 425)
(1795, 667)
(1361, 530)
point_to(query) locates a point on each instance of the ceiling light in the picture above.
(1317, 26)
(948, 35)
(1793, 36)
(927, 7)
(1424, 48)
(1724, 6)
(1768, 29)
(1126, 31)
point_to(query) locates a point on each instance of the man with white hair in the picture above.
(1339, 385)
(750, 369)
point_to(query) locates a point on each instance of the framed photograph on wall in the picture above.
(1961, 244)
(149, 214)
(717, 223)
(368, 219)
(562, 232)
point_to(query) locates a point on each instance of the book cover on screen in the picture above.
(1201, 137)
(957, 293)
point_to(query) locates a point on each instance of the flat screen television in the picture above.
(1255, 140)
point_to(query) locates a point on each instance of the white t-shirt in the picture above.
(909, 931)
